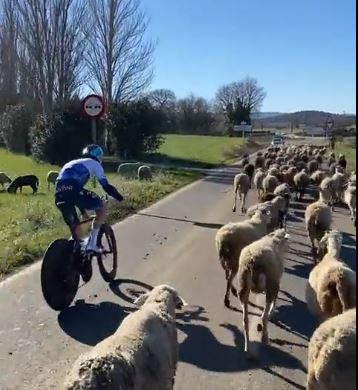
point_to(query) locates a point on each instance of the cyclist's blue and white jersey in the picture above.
(81, 171)
(75, 174)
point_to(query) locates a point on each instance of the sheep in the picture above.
(342, 161)
(332, 354)
(334, 168)
(243, 162)
(261, 266)
(241, 186)
(4, 178)
(317, 177)
(269, 162)
(339, 181)
(141, 355)
(273, 171)
(312, 166)
(129, 169)
(144, 173)
(327, 190)
(331, 288)
(232, 238)
(350, 198)
(318, 219)
(22, 181)
(269, 183)
(258, 181)
(301, 182)
(284, 191)
(249, 169)
(259, 161)
(277, 205)
(51, 178)
(289, 175)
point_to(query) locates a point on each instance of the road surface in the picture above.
(171, 242)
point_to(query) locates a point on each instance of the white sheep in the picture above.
(129, 169)
(261, 266)
(4, 178)
(141, 355)
(350, 198)
(327, 191)
(51, 178)
(332, 354)
(278, 209)
(258, 181)
(318, 218)
(331, 288)
(317, 177)
(339, 180)
(301, 181)
(269, 183)
(144, 173)
(241, 187)
(232, 238)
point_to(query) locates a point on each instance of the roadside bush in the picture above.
(61, 136)
(15, 123)
(135, 127)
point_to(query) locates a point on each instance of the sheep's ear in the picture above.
(140, 301)
(287, 236)
(180, 303)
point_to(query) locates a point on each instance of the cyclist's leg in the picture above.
(65, 200)
(70, 216)
(90, 201)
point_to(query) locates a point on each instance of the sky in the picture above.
(303, 52)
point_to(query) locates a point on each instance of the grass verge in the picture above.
(29, 223)
(348, 148)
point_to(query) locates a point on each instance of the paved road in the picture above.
(170, 242)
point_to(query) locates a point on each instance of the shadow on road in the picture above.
(203, 350)
(295, 318)
(128, 289)
(206, 225)
(91, 323)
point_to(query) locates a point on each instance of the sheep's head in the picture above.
(162, 294)
(331, 242)
(263, 212)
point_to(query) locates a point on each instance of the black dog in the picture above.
(21, 181)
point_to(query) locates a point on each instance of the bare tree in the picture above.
(8, 52)
(119, 57)
(50, 47)
(164, 99)
(239, 99)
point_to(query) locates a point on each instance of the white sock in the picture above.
(92, 242)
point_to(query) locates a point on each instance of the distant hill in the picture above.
(312, 118)
(264, 115)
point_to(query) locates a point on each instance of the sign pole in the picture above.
(94, 140)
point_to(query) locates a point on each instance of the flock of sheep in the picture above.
(253, 250)
(143, 353)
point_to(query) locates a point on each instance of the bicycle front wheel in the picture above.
(59, 279)
(108, 260)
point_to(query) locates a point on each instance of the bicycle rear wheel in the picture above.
(108, 260)
(59, 279)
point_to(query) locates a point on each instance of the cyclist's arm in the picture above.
(110, 190)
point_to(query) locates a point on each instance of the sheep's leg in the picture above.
(243, 203)
(229, 287)
(265, 320)
(235, 200)
(245, 311)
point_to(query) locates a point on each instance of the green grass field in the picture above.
(29, 223)
(349, 150)
(196, 150)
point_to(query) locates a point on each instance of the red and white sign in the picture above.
(93, 106)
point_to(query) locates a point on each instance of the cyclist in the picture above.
(70, 192)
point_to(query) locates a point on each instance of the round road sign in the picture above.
(93, 106)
